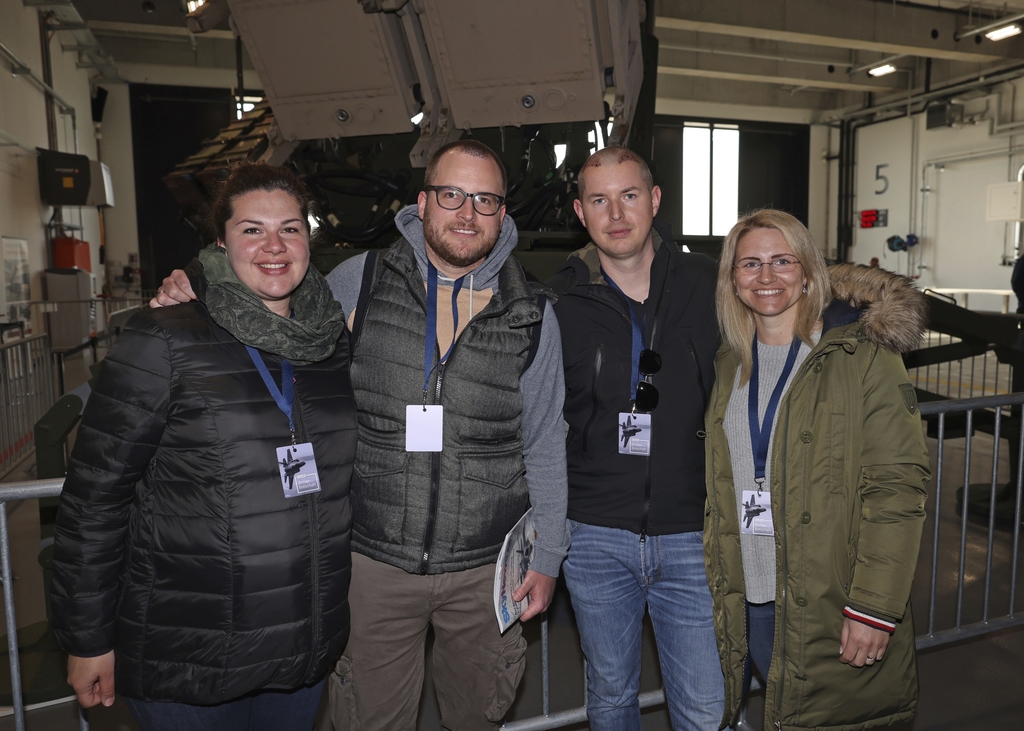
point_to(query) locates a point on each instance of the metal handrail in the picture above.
(11, 491)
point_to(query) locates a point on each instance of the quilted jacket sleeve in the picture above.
(894, 472)
(118, 436)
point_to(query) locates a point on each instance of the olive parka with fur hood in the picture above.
(848, 475)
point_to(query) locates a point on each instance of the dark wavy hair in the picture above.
(245, 177)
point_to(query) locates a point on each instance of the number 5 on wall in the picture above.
(883, 178)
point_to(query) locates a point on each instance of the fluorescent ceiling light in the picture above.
(882, 70)
(1005, 32)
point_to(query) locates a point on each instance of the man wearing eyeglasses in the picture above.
(459, 392)
(639, 337)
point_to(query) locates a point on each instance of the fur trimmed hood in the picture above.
(894, 314)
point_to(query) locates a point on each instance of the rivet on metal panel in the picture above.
(343, 115)
(528, 101)
(554, 99)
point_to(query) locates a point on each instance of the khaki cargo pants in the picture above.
(378, 681)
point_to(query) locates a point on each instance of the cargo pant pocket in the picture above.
(507, 674)
(341, 691)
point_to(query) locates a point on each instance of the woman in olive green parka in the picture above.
(845, 479)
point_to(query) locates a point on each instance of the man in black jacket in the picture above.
(638, 334)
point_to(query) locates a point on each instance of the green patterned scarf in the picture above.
(308, 337)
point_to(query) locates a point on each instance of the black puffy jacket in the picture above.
(175, 545)
(663, 493)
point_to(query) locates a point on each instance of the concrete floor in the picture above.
(973, 684)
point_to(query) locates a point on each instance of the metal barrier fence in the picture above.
(980, 551)
(979, 375)
(995, 503)
(26, 392)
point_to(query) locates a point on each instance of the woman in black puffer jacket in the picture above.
(195, 560)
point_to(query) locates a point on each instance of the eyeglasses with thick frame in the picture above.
(646, 392)
(451, 198)
(780, 265)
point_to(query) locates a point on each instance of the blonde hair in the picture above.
(735, 319)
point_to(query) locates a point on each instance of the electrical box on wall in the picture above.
(64, 178)
(944, 115)
(1005, 202)
(73, 180)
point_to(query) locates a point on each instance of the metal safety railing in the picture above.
(967, 377)
(995, 505)
(26, 392)
(11, 492)
(968, 580)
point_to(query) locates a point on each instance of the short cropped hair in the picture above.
(245, 177)
(736, 319)
(474, 149)
(615, 155)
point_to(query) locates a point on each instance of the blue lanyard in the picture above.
(284, 396)
(761, 435)
(638, 335)
(431, 335)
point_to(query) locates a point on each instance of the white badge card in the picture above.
(635, 434)
(298, 470)
(757, 513)
(424, 428)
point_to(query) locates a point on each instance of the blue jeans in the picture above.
(268, 710)
(613, 577)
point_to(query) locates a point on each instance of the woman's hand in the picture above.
(92, 679)
(861, 645)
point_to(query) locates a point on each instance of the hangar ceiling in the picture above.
(800, 54)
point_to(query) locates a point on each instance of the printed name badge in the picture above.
(757, 513)
(635, 434)
(298, 469)
(424, 428)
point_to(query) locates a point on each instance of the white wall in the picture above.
(121, 221)
(819, 179)
(954, 166)
(23, 116)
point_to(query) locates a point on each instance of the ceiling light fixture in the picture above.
(882, 70)
(1006, 31)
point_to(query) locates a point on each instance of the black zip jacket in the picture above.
(175, 545)
(663, 493)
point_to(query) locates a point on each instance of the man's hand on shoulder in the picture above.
(540, 588)
(175, 289)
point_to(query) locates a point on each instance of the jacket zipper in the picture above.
(435, 457)
(314, 528)
(435, 471)
(780, 611)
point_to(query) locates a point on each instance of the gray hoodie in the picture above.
(542, 385)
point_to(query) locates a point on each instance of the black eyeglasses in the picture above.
(646, 392)
(451, 199)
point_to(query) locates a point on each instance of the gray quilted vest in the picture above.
(436, 512)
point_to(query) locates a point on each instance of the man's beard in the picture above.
(434, 234)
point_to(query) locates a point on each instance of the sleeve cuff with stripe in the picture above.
(870, 621)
